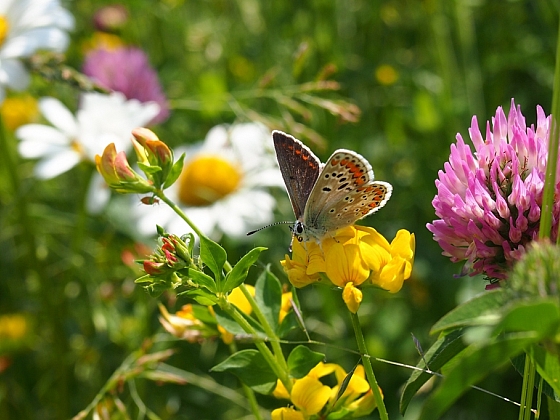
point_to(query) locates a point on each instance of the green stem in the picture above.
(366, 360)
(550, 177)
(274, 340)
(261, 346)
(527, 389)
(249, 393)
(160, 194)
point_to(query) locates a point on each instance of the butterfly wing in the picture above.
(344, 193)
(300, 169)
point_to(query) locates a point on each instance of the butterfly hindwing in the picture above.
(300, 169)
(344, 193)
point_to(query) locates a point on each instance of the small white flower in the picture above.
(101, 119)
(223, 186)
(25, 27)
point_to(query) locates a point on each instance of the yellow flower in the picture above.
(309, 395)
(352, 296)
(286, 413)
(303, 269)
(353, 257)
(19, 110)
(398, 267)
(280, 391)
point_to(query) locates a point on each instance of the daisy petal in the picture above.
(58, 115)
(57, 164)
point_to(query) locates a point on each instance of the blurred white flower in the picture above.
(101, 119)
(223, 186)
(25, 27)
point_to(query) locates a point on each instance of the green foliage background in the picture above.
(454, 59)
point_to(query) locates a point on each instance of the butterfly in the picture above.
(327, 196)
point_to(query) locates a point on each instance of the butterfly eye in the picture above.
(298, 228)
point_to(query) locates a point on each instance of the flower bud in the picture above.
(118, 174)
(154, 157)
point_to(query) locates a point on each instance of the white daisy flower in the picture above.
(101, 119)
(223, 186)
(25, 27)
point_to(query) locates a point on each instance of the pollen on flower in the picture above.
(4, 28)
(207, 179)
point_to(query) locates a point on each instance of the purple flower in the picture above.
(127, 70)
(489, 203)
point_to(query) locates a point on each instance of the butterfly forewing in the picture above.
(344, 192)
(300, 169)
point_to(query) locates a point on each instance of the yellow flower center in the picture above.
(207, 179)
(4, 29)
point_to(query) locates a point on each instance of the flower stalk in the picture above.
(366, 360)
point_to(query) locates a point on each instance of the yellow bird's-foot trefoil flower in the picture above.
(311, 399)
(352, 258)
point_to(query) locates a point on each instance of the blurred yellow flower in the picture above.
(286, 306)
(237, 298)
(13, 327)
(19, 110)
(386, 74)
(354, 256)
(183, 324)
(102, 40)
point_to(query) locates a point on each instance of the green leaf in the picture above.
(202, 280)
(251, 369)
(213, 256)
(442, 351)
(174, 173)
(301, 360)
(475, 363)
(540, 315)
(203, 314)
(149, 169)
(201, 296)
(239, 272)
(483, 309)
(548, 366)
(231, 325)
(268, 295)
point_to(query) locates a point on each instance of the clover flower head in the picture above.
(489, 202)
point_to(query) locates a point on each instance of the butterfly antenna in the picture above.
(267, 226)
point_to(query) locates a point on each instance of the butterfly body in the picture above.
(327, 197)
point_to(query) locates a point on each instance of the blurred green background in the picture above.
(418, 70)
